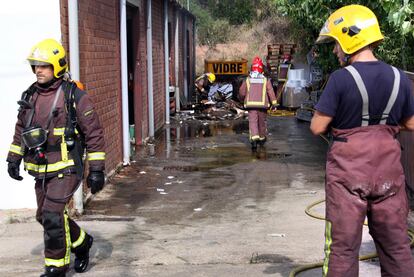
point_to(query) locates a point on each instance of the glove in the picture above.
(95, 181)
(14, 170)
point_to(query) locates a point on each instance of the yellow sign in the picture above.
(226, 67)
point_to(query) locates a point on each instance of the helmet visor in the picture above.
(325, 34)
(34, 63)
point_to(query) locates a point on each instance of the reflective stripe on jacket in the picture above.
(58, 156)
(257, 93)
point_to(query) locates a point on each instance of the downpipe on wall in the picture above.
(166, 64)
(74, 70)
(124, 84)
(150, 73)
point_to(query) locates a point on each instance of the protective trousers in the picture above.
(61, 234)
(364, 178)
(257, 124)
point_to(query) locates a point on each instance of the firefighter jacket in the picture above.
(60, 157)
(257, 92)
(202, 84)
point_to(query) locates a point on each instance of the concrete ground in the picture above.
(200, 203)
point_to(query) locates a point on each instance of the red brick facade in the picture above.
(100, 63)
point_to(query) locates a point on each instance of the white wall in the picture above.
(23, 23)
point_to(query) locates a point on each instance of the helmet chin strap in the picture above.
(347, 60)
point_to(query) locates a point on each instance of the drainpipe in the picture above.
(124, 84)
(150, 72)
(193, 57)
(177, 63)
(167, 64)
(168, 140)
(74, 69)
(185, 59)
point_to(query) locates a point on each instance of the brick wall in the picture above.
(140, 74)
(171, 21)
(175, 11)
(158, 62)
(100, 64)
(181, 51)
(99, 56)
(191, 73)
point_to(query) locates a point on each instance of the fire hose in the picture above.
(309, 212)
(320, 264)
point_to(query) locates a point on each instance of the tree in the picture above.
(396, 19)
(236, 12)
(210, 31)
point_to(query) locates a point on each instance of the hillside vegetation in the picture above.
(228, 29)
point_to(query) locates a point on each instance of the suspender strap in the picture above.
(30, 117)
(364, 94)
(52, 110)
(393, 96)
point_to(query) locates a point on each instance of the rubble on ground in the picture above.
(220, 105)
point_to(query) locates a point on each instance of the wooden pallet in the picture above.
(280, 49)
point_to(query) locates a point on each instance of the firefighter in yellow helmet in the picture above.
(202, 85)
(363, 106)
(56, 120)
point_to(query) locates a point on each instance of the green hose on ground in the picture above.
(320, 264)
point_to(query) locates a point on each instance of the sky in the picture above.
(23, 23)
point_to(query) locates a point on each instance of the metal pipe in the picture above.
(177, 62)
(168, 141)
(73, 39)
(192, 88)
(185, 59)
(150, 72)
(74, 69)
(167, 64)
(124, 84)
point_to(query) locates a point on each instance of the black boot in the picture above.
(254, 145)
(82, 254)
(52, 271)
(262, 142)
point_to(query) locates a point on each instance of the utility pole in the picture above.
(188, 5)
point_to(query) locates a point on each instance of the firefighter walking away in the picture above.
(258, 95)
(55, 122)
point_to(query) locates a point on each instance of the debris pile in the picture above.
(220, 105)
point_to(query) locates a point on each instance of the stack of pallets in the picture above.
(273, 58)
(275, 53)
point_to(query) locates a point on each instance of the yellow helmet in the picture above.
(211, 77)
(49, 52)
(353, 27)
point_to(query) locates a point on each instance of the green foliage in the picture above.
(216, 18)
(236, 12)
(396, 20)
(400, 15)
(210, 31)
(265, 9)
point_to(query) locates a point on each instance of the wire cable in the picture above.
(309, 212)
